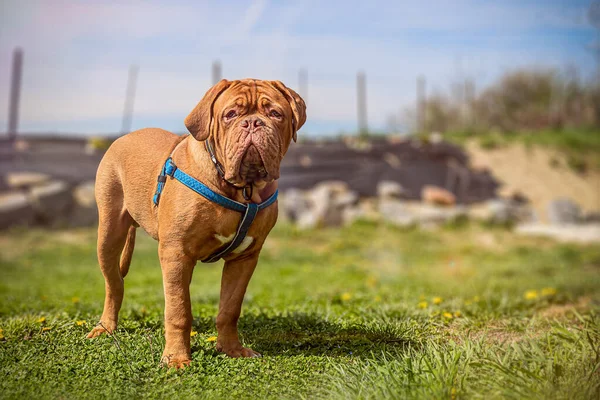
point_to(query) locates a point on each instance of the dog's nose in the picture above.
(254, 122)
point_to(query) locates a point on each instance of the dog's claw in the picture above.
(250, 353)
(175, 362)
(242, 352)
(99, 330)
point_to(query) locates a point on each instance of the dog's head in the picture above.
(251, 123)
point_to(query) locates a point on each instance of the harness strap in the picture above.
(240, 235)
(249, 210)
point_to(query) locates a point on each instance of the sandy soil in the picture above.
(529, 171)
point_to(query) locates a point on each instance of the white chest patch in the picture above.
(243, 246)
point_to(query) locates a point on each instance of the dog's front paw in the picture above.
(175, 361)
(238, 351)
(101, 328)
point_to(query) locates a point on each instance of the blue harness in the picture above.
(248, 211)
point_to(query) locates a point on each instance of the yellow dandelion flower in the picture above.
(457, 314)
(548, 291)
(75, 300)
(80, 322)
(46, 329)
(422, 304)
(437, 300)
(193, 333)
(346, 296)
(211, 339)
(476, 299)
(371, 281)
(447, 315)
(377, 298)
(41, 320)
(531, 294)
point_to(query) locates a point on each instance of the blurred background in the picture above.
(417, 113)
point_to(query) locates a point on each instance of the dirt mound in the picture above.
(541, 174)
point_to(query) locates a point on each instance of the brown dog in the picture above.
(250, 124)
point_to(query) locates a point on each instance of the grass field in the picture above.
(368, 311)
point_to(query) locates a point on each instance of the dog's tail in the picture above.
(127, 251)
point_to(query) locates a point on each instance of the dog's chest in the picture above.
(224, 240)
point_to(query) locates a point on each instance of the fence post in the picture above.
(129, 99)
(361, 94)
(15, 93)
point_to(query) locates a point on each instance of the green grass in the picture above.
(582, 141)
(368, 312)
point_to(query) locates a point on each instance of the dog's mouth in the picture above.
(255, 162)
(252, 167)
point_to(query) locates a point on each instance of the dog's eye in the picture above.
(230, 114)
(275, 114)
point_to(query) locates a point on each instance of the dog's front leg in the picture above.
(236, 275)
(177, 269)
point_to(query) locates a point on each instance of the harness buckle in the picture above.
(170, 169)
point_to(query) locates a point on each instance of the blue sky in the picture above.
(77, 53)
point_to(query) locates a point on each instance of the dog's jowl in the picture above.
(205, 196)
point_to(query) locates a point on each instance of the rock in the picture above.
(592, 216)
(52, 202)
(509, 193)
(84, 211)
(24, 180)
(436, 195)
(415, 213)
(563, 211)
(502, 211)
(293, 204)
(431, 215)
(323, 202)
(389, 189)
(365, 209)
(329, 203)
(15, 210)
(577, 233)
(396, 212)
(345, 199)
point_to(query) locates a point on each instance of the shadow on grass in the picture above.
(298, 334)
(311, 335)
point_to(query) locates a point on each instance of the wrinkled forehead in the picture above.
(250, 92)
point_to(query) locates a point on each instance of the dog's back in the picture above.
(126, 177)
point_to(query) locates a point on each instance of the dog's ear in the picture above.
(198, 121)
(297, 104)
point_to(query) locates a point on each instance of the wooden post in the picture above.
(421, 105)
(361, 94)
(303, 84)
(216, 72)
(15, 94)
(129, 99)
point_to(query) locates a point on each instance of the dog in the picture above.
(239, 133)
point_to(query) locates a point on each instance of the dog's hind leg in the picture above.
(115, 225)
